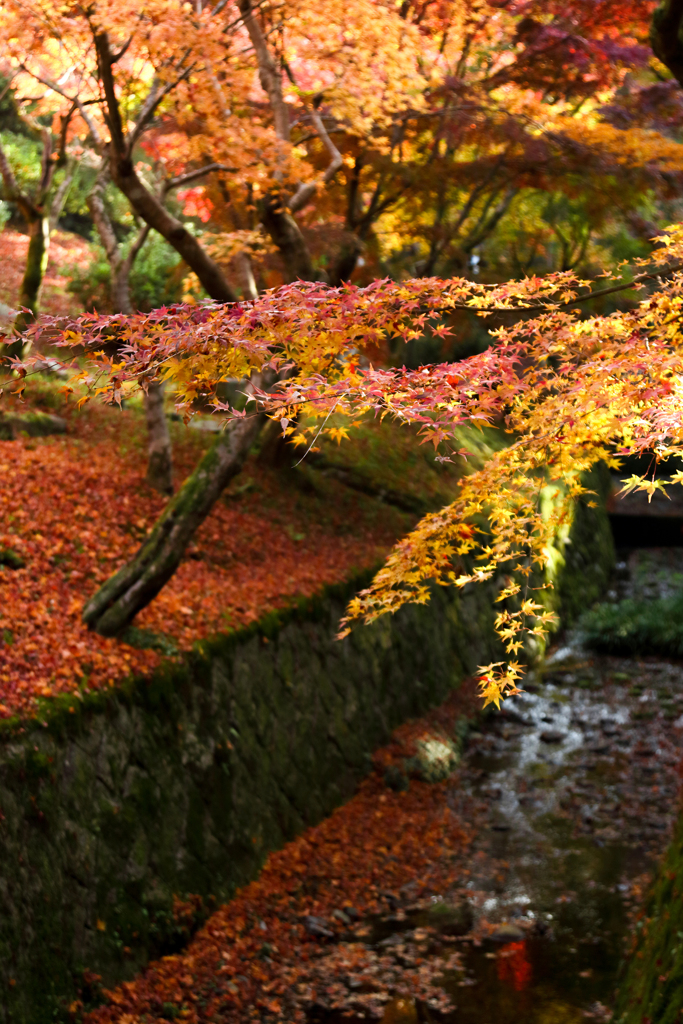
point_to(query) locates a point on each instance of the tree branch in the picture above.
(148, 206)
(200, 172)
(305, 192)
(138, 244)
(60, 196)
(80, 105)
(11, 186)
(269, 76)
(152, 101)
(101, 218)
(104, 61)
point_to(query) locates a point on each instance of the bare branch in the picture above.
(100, 215)
(138, 244)
(305, 192)
(152, 101)
(269, 76)
(200, 172)
(115, 58)
(80, 105)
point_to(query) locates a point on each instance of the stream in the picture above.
(577, 782)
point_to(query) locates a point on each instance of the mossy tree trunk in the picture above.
(34, 272)
(132, 588)
(666, 36)
(159, 450)
(40, 211)
(37, 219)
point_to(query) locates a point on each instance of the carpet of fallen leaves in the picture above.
(66, 249)
(288, 942)
(75, 507)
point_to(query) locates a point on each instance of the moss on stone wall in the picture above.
(652, 989)
(181, 783)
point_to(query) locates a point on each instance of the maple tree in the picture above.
(41, 206)
(415, 121)
(568, 390)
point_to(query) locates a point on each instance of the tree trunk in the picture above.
(160, 458)
(132, 588)
(159, 449)
(148, 207)
(276, 450)
(346, 261)
(119, 290)
(159, 452)
(285, 233)
(32, 282)
(666, 36)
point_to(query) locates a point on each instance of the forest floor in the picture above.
(506, 892)
(66, 250)
(74, 507)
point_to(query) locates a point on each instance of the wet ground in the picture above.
(574, 786)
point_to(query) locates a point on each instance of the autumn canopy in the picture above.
(315, 166)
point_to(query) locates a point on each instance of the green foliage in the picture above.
(9, 115)
(155, 280)
(636, 627)
(24, 154)
(652, 988)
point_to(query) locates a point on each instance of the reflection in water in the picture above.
(514, 967)
(577, 781)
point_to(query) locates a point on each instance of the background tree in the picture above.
(160, 460)
(40, 206)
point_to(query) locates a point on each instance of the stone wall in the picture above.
(181, 783)
(651, 990)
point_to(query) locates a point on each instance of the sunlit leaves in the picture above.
(568, 392)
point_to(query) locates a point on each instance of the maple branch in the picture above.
(138, 244)
(11, 186)
(80, 104)
(47, 166)
(484, 226)
(305, 192)
(101, 219)
(149, 207)
(269, 77)
(152, 101)
(599, 293)
(61, 194)
(200, 172)
(116, 57)
(236, 21)
(613, 289)
(105, 61)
